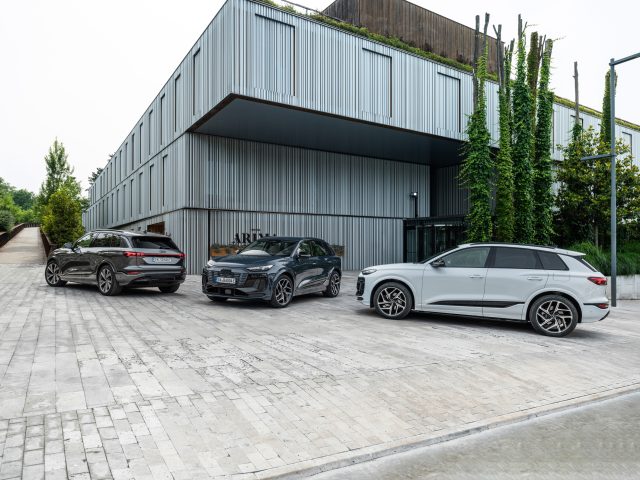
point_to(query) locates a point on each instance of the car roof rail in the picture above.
(552, 247)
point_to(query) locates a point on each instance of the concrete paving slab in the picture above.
(177, 384)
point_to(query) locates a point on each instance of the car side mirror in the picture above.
(438, 263)
(68, 246)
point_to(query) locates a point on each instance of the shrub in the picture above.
(62, 218)
(6, 221)
(628, 257)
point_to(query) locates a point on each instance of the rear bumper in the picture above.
(592, 313)
(151, 278)
(255, 286)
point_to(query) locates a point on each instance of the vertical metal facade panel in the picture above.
(448, 103)
(272, 57)
(375, 84)
(451, 198)
(354, 233)
(230, 174)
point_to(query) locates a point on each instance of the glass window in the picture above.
(551, 261)
(153, 242)
(515, 258)
(269, 247)
(84, 241)
(110, 240)
(306, 248)
(467, 258)
(318, 249)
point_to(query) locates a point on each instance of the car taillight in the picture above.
(602, 306)
(133, 254)
(182, 255)
(598, 280)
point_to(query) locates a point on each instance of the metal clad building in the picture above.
(277, 124)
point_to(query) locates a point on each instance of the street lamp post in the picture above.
(612, 155)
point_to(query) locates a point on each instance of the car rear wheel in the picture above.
(170, 288)
(282, 292)
(217, 299)
(52, 275)
(333, 289)
(553, 316)
(107, 282)
(392, 300)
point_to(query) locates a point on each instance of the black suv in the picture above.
(113, 259)
(274, 269)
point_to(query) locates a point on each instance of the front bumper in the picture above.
(363, 291)
(151, 277)
(247, 286)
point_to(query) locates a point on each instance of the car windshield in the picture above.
(270, 247)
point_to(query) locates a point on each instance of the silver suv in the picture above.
(113, 259)
(551, 288)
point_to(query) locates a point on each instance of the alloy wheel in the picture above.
(53, 273)
(554, 316)
(105, 280)
(283, 291)
(391, 301)
(335, 284)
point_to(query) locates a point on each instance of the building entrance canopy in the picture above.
(248, 119)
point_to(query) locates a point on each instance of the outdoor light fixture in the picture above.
(414, 195)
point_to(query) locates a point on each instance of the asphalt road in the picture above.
(600, 441)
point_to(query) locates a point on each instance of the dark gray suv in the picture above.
(113, 259)
(274, 269)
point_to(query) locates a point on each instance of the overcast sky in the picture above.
(84, 71)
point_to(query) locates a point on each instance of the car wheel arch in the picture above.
(566, 295)
(392, 280)
(102, 264)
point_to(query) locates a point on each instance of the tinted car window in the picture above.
(305, 248)
(84, 241)
(153, 242)
(467, 258)
(319, 250)
(515, 258)
(110, 240)
(552, 261)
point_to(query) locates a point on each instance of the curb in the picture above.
(340, 460)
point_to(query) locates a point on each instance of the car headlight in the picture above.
(211, 263)
(261, 268)
(368, 271)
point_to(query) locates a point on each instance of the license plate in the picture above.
(162, 260)
(225, 280)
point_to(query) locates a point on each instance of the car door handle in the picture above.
(535, 279)
(475, 275)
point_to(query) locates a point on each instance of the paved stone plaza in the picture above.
(146, 385)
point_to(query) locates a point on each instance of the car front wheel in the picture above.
(107, 283)
(392, 300)
(282, 292)
(52, 275)
(553, 316)
(333, 289)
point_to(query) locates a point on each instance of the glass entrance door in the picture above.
(424, 237)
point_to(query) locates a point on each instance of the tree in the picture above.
(504, 166)
(62, 217)
(477, 169)
(522, 138)
(583, 200)
(23, 198)
(542, 174)
(95, 175)
(59, 175)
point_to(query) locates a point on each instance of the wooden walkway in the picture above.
(24, 248)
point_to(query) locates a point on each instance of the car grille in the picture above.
(360, 287)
